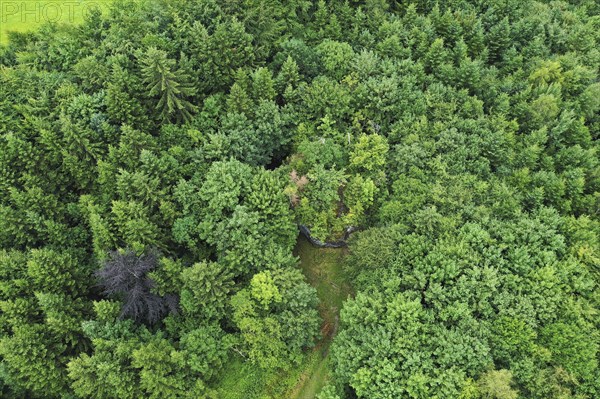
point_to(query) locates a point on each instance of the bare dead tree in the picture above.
(125, 276)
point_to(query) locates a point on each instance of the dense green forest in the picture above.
(157, 160)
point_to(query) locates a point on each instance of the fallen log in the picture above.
(327, 244)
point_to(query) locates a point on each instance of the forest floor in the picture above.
(23, 16)
(323, 270)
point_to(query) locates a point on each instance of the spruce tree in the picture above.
(167, 83)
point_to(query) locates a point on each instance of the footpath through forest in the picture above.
(323, 270)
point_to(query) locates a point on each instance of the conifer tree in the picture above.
(167, 83)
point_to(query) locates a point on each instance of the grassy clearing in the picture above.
(242, 380)
(27, 15)
(314, 379)
(323, 270)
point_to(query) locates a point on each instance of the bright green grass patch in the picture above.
(242, 380)
(323, 270)
(27, 15)
(313, 379)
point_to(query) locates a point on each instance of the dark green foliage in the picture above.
(169, 85)
(243, 212)
(462, 286)
(206, 287)
(42, 303)
(459, 137)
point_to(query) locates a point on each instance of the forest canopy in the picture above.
(157, 160)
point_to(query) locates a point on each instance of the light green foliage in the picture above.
(118, 381)
(368, 158)
(238, 100)
(328, 392)
(324, 152)
(329, 200)
(320, 202)
(264, 290)
(325, 97)
(205, 350)
(289, 75)
(134, 225)
(369, 154)
(263, 85)
(277, 317)
(359, 194)
(436, 56)
(32, 362)
(496, 384)
(162, 371)
(261, 336)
